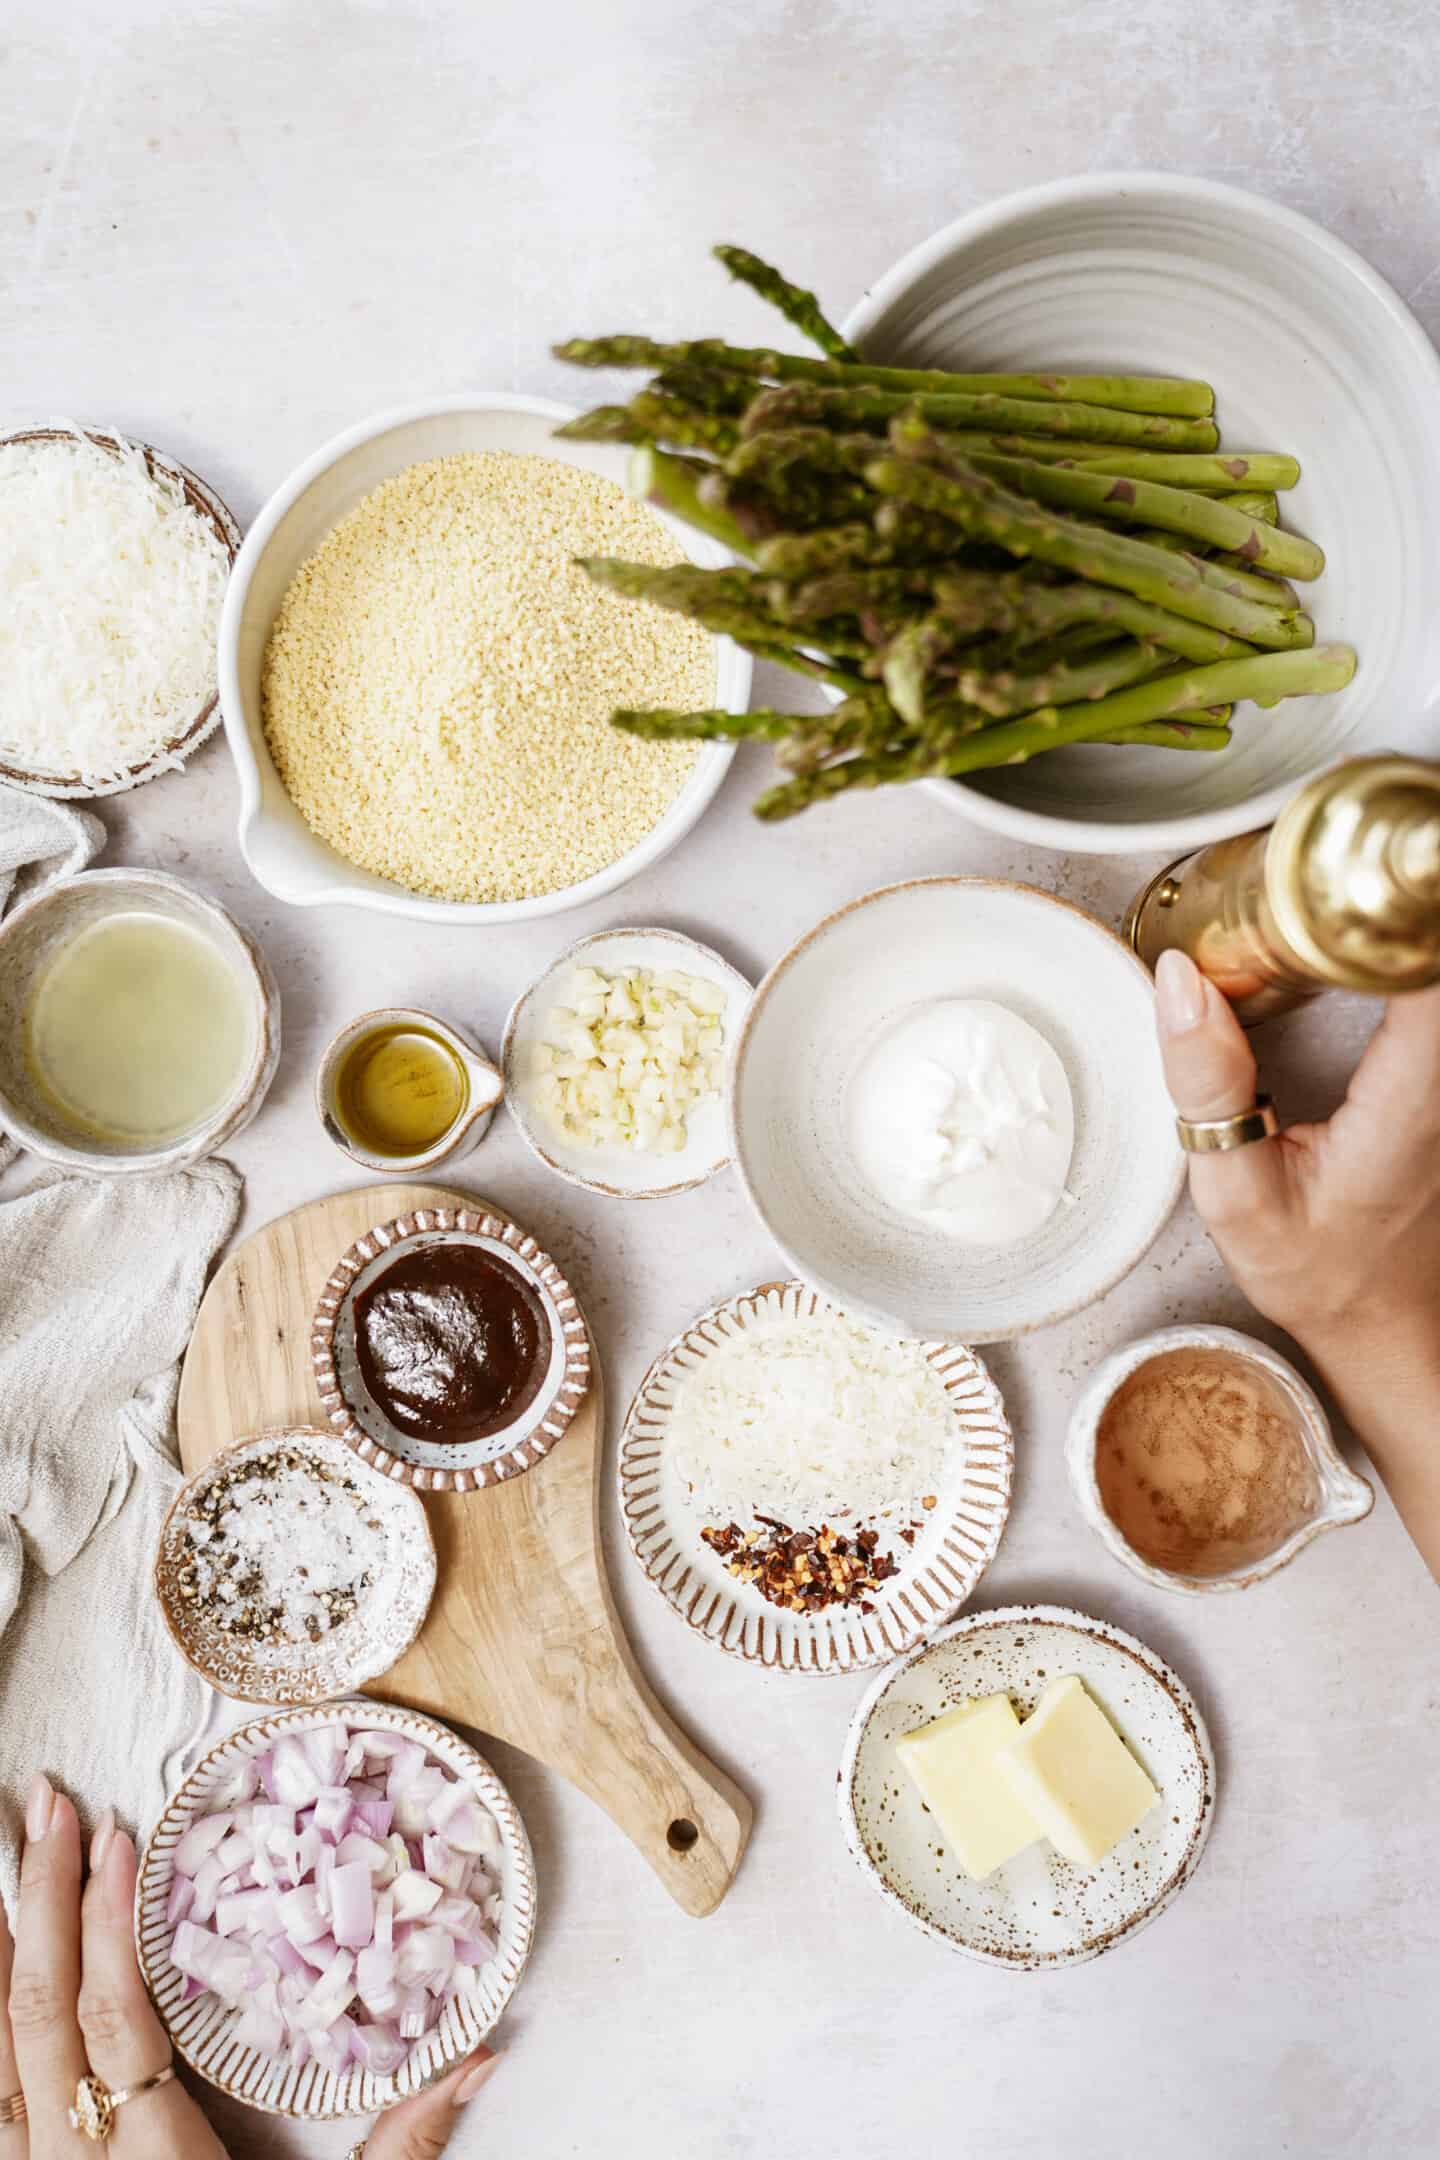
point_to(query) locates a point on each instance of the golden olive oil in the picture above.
(138, 1029)
(399, 1091)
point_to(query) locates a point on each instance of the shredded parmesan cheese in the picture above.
(110, 594)
(811, 1420)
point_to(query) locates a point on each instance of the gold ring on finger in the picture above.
(1216, 1136)
(93, 2114)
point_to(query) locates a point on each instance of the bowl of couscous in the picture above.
(417, 677)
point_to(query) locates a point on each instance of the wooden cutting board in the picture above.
(522, 1638)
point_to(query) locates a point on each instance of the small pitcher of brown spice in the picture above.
(1205, 1462)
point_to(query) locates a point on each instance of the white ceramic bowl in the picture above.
(29, 938)
(199, 2026)
(813, 1021)
(1341, 1495)
(1309, 351)
(288, 858)
(622, 1173)
(1036, 1912)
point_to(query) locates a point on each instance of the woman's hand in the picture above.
(1333, 1231)
(77, 2004)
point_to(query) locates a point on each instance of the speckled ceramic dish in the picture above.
(1037, 1911)
(29, 938)
(199, 2027)
(622, 1173)
(359, 1420)
(849, 981)
(1341, 1495)
(953, 1545)
(378, 1632)
(168, 756)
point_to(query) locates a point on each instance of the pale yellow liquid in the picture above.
(138, 1030)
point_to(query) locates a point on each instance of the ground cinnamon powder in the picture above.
(1201, 1464)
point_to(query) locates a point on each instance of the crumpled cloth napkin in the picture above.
(40, 840)
(100, 1279)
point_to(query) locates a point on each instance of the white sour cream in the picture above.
(961, 1118)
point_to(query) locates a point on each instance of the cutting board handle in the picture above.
(681, 1812)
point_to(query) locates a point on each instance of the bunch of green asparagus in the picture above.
(983, 567)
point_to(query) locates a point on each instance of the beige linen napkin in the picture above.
(40, 840)
(99, 1282)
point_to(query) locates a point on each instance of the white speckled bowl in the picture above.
(198, 2027)
(812, 1023)
(1309, 351)
(30, 936)
(288, 858)
(376, 1635)
(1036, 1912)
(1342, 1495)
(621, 1173)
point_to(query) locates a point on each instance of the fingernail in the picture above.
(1179, 992)
(100, 1843)
(39, 1805)
(480, 2075)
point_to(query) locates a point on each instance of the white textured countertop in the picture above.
(234, 229)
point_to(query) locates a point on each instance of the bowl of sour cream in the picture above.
(948, 1109)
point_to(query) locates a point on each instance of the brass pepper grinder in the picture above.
(1341, 892)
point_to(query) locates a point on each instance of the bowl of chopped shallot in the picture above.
(334, 1908)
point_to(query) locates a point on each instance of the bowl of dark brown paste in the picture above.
(449, 1349)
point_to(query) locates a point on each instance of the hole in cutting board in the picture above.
(682, 1835)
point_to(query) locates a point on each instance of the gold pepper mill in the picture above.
(1341, 892)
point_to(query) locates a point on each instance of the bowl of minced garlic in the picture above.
(417, 676)
(1205, 1462)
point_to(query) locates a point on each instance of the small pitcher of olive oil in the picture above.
(400, 1090)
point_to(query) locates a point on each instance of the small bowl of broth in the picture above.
(139, 1024)
(400, 1090)
(1205, 1462)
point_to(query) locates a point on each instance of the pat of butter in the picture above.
(953, 1764)
(1069, 1767)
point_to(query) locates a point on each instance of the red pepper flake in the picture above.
(804, 1571)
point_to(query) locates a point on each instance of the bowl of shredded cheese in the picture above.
(113, 565)
(417, 677)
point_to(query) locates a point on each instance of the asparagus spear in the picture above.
(1239, 578)
(1257, 503)
(1123, 393)
(844, 592)
(729, 602)
(766, 455)
(982, 506)
(1007, 692)
(796, 304)
(669, 483)
(1211, 519)
(1015, 742)
(861, 406)
(1219, 470)
(709, 388)
(652, 418)
(1202, 734)
(1016, 603)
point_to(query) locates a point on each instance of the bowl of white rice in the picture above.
(417, 677)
